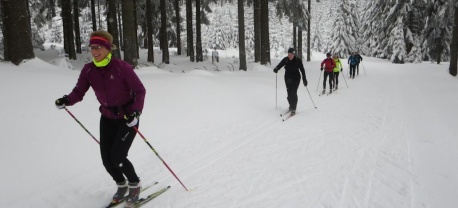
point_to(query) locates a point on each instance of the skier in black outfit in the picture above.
(360, 59)
(294, 70)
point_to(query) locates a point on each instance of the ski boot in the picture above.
(121, 192)
(134, 194)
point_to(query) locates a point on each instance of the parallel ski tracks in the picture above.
(224, 150)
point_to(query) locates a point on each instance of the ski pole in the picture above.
(364, 69)
(318, 82)
(310, 96)
(276, 90)
(81, 124)
(343, 75)
(157, 154)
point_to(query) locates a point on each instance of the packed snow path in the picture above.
(388, 140)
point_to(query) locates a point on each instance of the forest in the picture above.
(402, 31)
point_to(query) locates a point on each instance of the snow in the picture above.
(387, 140)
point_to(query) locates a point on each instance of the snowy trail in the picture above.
(356, 178)
(345, 156)
(388, 140)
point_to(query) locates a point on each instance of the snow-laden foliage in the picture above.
(295, 10)
(396, 42)
(343, 35)
(365, 26)
(415, 55)
(438, 31)
(317, 37)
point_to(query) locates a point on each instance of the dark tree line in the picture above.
(155, 17)
(161, 25)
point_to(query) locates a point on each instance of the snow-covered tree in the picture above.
(415, 55)
(343, 40)
(439, 30)
(317, 42)
(397, 43)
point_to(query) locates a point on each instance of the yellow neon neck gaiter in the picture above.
(103, 62)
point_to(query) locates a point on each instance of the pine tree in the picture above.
(438, 30)
(396, 42)
(164, 35)
(18, 43)
(189, 32)
(454, 45)
(241, 18)
(129, 31)
(343, 40)
(317, 42)
(415, 55)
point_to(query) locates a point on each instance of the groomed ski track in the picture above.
(381, 142)
(355, 150)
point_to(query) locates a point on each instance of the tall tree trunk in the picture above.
(150, 29)
(67, 24)
(299, 42)
(454, 46)
(76, 14)
(5, 38)
(265, 43)
(130, 32)
(164, 37)
(112, 24)
(189, 32)
(52, 7)
(242, 53)
(94, 17)
(120, 30)
(178, 18)
(439, 49)
(308, 30)
(294, 36)
(199, 54)
(18, 42)
(136, 23)
(144, 31)
(98, 14)
(257, 29)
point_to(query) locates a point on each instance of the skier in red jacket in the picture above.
(329, 65)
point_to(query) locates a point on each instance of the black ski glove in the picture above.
(62, 102)
(305, 81)
(275, 70)
(321, 68)
(132, 119)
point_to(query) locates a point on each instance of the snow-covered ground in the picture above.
(389, 139)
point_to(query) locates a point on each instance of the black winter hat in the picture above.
(328, 54)
(291, 50)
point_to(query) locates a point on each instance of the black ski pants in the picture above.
(352, 71)
(115, 141)
(291, 87)
(336, 79)
(325, 77)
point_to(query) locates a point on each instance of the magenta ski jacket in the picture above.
(116, 86)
